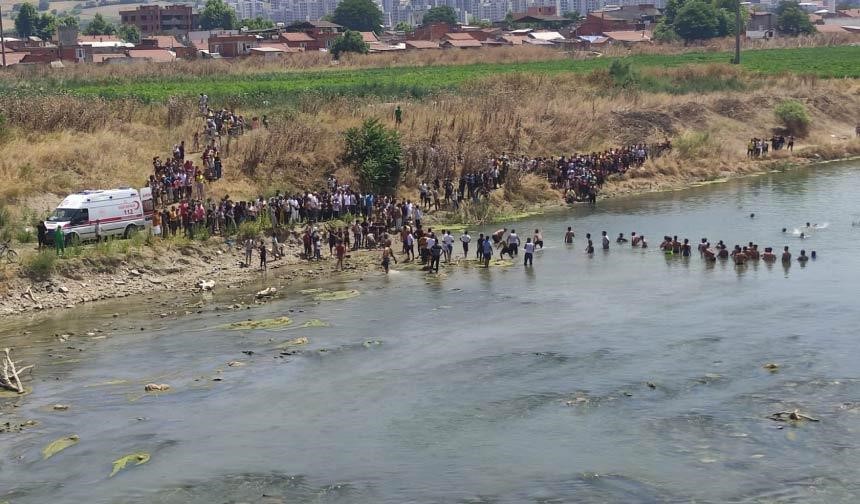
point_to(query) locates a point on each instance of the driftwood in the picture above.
(782, 416)
(11, 379)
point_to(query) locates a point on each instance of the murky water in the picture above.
(499, 386)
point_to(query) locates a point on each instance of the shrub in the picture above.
(793, 115)
(375, 152)
(622, 74)
(248, 229)
(693, 145)
(40, 266)
(24, 236)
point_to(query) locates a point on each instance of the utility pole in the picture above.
(737, 60)
(2, 38)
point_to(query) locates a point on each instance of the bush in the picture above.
(24, 236)
(40, 266)
(693, 145)
(375, 152)
(793, 115)
(248, 229)
(622, 74)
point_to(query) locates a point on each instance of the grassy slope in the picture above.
(827, 62)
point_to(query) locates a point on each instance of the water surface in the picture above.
(505, 385)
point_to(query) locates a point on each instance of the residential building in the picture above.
(625, 18)
(232, 46)
(161, 19)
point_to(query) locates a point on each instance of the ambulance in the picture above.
(121, 212)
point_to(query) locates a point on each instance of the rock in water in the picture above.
(156, 387)
(268, 292)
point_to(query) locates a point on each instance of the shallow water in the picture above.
(456, 389)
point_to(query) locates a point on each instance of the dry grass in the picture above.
(112, 143)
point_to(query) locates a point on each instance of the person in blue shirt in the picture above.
(488, 252)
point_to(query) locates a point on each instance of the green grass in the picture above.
(286, 87)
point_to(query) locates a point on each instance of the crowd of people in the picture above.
(759, 147)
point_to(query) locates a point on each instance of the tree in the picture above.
(572, 15)
(441, 14)
(257, 23)
(404, 27)
(98, 26)
(374, 151)
(129, 33)
(27, 20)
(663, 32)
(68, 21)
(793, 115)
(46, 26)
(350, 41)
(358, 15)
(792, 20)
(697, 20)
(218, 14)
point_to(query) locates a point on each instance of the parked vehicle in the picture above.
(119, 212)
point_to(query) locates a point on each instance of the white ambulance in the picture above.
(120, 212)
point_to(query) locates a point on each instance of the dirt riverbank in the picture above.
(180, 269)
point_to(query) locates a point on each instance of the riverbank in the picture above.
(187, 269)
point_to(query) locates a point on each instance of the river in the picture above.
(626, 377)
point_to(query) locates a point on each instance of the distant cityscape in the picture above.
(412, 11)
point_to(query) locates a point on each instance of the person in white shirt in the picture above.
(605, 240)
(529, 249)
(465, 239)
(513, 243)
(448, 245)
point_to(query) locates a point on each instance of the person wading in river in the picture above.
(387, 257)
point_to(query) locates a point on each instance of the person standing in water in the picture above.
(589, 249)
(387, 256)
(568, 236)
(786, 255)
(529, 249)
(605, 240)
(465, 239)
(513, 243)
(487, 251)
(537, 239)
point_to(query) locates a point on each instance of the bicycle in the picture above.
(6, 252)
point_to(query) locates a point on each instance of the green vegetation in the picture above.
(28, 22)
(121, 463)
(350, 41)
(793, 115)
(358, 15)
(41, 266)
(99, 26)
(217, 14)
(375, 152)
(129, 33)
(288, 87)
(792, 20)
(257, 23)
(441, 14)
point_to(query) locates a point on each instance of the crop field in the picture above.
(416, 82)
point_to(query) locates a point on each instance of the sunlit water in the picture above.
(465, 398)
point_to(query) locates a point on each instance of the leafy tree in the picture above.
(375, 152)
(69, 21)
(697, 20)
(258, 23)
(350, 41)
(129, 33)
(44, 5)
(46, 26)
(482, 23)
(98, 26)
(27, 20)
(441, 14)
(663, 32)
(217, 14)
(358, 15)
(404, 27)
(572, 15)
(792, 20)
(793, 115)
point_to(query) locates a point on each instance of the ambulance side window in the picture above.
(82, 216)
(148, 206)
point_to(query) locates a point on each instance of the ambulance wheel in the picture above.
(130, 231)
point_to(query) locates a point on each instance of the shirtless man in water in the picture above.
(498, 235)
(568, 236)
(708, 252)
(768, 255)
(537, 239)
(635, 240)
(741, 257)
(621, 238)
(786, 255)
(387, 256)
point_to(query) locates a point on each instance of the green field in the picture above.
(281, 87)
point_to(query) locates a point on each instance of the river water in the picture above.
(626, 377)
